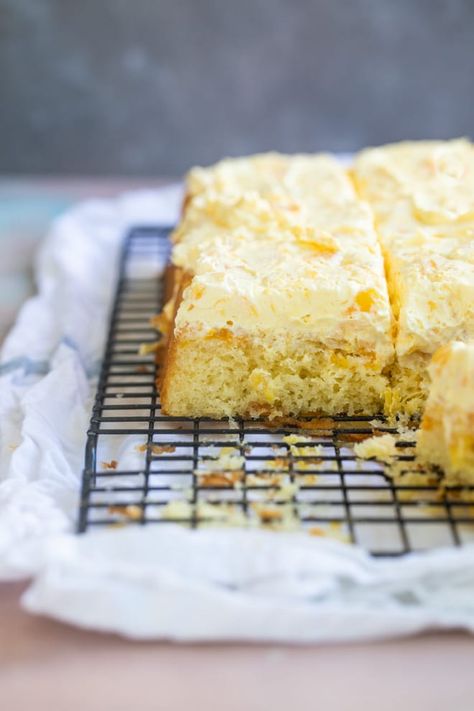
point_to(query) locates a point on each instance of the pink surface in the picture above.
(45, 665)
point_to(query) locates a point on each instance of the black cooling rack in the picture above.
(201, 472)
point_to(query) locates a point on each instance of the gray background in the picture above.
(149, 87)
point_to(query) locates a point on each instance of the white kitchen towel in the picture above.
(147, 582)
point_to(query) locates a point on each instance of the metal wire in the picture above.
(165, 473)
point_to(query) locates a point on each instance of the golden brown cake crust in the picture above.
(178, 281)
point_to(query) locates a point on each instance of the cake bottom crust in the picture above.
(223, 375)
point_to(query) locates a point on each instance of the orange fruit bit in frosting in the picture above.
(365, 299)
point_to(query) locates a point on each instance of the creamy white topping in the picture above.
(290, 261)
(423, 198)
(452, 380)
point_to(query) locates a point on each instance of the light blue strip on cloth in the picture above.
(42, 367)
(31, 367)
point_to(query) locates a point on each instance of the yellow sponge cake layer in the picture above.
(285, 309)
(422, 195)
(446, 436)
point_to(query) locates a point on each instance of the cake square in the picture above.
(280, 306)
(446, 436)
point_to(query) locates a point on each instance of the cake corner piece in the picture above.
(446, 435)
(266, 326)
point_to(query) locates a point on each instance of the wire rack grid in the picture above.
(142, 467)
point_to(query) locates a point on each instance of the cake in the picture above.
(446, 436)
(422, 195)
(301, 288)
(381, 447)
(280, 304)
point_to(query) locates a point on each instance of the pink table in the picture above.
(45, 665)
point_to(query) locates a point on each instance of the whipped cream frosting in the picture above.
(435, 177)
(297, 259)
(423, 198)
(301, 175)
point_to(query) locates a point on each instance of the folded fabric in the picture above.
(149, 582)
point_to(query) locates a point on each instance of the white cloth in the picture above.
(168, 582)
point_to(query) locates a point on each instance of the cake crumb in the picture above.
(314, 450)
(130, 511)
(179, 510)
(286, 492)
(142, 369)
(219, 479)
(162, 448)
(147, 348)
(268, 515)
(357, 436)
(113, 464)
(263, 479)
(228, 460)
(279, 463)
(156, 448)
(379, 447)
(316, 531)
